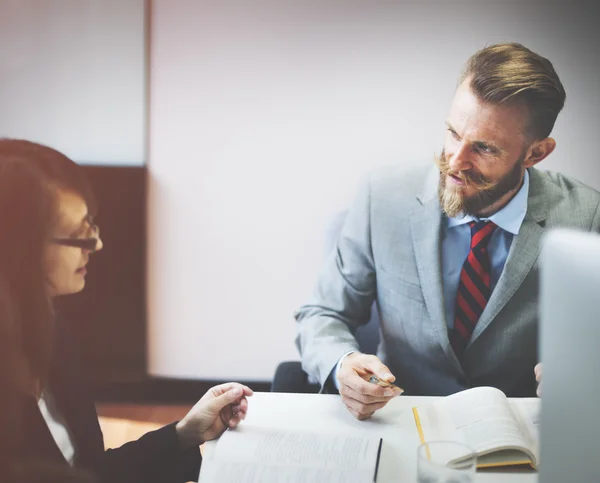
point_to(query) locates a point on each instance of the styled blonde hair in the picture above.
(512, 74)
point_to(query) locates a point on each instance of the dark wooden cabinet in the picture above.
(109, 315)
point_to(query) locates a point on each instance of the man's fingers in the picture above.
(361, 408)
(359, 416)
(382, 372)
(363, 398)
(352, 380)
(374, 365)
(365, 416)
(363, 366)
(359, 411)
(538, 372)
(350, 392)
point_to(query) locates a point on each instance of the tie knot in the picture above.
(481, 232)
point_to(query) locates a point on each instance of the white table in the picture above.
(394, 423)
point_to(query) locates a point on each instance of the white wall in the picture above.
(73, 76)
(264, 116)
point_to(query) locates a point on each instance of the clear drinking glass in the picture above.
(445, 462)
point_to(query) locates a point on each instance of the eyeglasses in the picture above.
(89, 243)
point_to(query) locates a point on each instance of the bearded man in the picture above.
(449, 253)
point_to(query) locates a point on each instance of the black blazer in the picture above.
(155, 457)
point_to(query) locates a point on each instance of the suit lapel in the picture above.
(523, 253)
(426, 222)
(39, 444)
(524, 250)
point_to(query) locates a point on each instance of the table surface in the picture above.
(394, 423)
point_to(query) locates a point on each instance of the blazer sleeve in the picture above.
(343, 297)
(155, 457)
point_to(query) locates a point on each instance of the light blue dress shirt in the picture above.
(456, 243)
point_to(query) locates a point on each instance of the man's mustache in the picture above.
(474, 179)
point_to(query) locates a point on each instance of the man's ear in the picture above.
(538, 151)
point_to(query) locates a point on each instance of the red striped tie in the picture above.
(474, 287)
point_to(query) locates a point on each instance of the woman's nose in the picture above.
(99, 244)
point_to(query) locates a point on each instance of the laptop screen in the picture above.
(570, 353)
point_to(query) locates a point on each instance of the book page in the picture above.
(527, 411)
(255, 455)
(481, 418)
(223, 472)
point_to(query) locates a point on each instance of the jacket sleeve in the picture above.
(342, 299)
(155, 457)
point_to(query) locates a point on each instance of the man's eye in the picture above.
(484, 148)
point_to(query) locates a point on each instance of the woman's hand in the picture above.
(222, 407)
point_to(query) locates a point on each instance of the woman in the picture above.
(12, 386)
(47, 235)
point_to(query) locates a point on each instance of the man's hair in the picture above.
(512, 74)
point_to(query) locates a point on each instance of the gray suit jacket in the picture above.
(389, 251)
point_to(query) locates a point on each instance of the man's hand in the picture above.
(538, 377)
(222, 407)
(361, 397)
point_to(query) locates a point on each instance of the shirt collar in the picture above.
(508, 218)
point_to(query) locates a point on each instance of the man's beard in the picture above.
(454, 203)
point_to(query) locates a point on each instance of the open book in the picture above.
(250, 454)
(502, 432)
